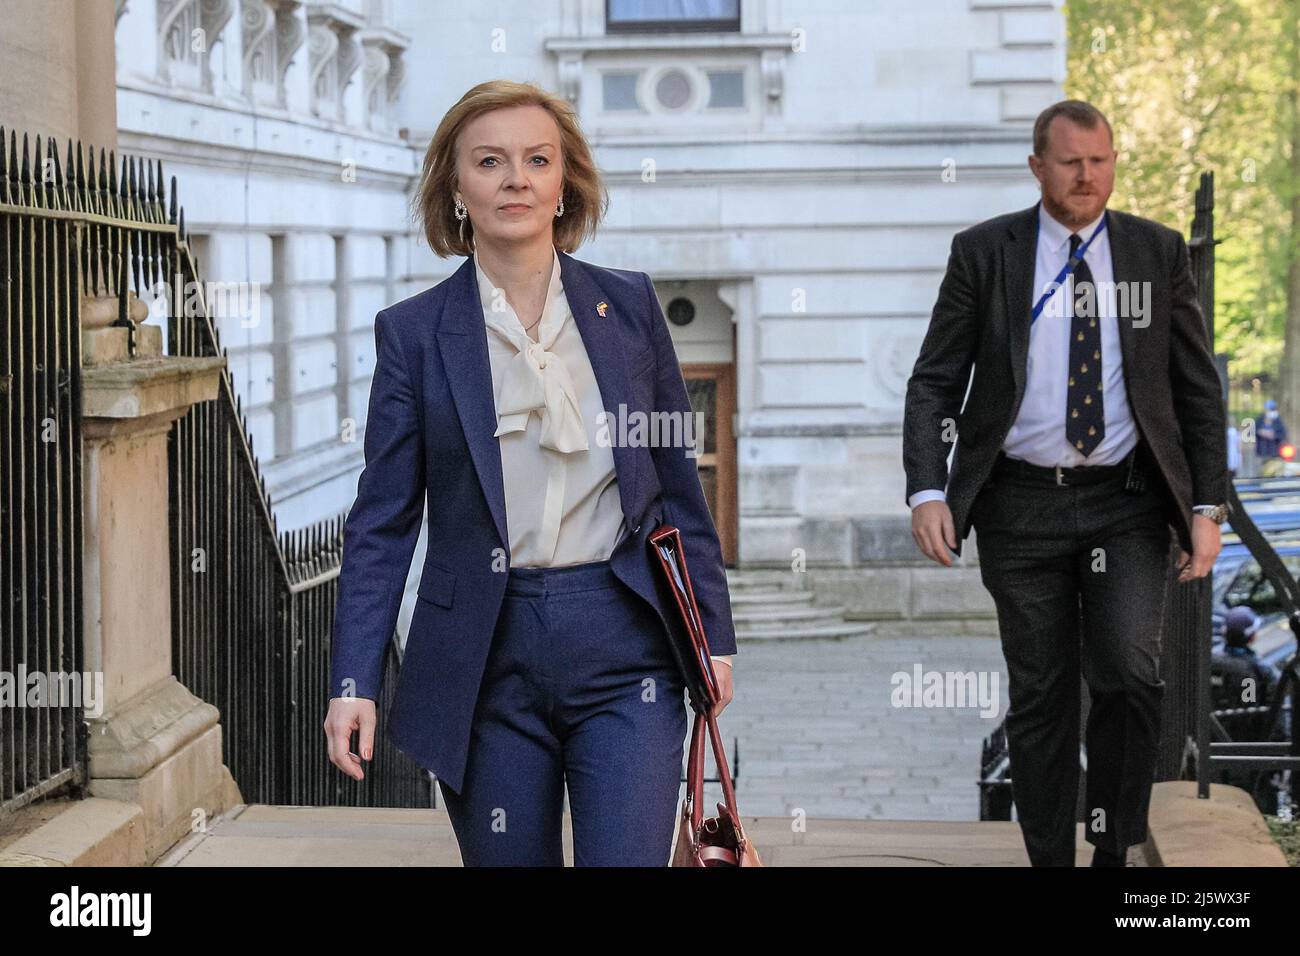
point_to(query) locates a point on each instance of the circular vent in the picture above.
(681, 311)
(673, 90)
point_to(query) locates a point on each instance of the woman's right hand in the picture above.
(347, 714)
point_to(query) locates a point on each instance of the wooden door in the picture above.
(712, 390)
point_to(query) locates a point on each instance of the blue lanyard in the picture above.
(1071, 264)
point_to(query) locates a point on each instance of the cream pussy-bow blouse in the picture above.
(561, 490)
(562, 504)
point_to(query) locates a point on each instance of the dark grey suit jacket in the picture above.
(982, 317)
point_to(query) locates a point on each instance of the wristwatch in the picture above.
(1216, 513)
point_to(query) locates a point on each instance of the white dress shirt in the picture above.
(1038, 433)
(561, 489)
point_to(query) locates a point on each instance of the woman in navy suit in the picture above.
(515, 399)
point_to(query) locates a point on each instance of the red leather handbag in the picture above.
(720, 840)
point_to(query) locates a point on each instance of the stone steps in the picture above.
(766, 579)
(755, 596)
(773, 605)
(779, 615)
(837, 630)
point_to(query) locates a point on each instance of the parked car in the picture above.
(1239, 581)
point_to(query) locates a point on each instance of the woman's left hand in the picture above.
(722, 673)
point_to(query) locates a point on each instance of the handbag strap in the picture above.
(695, 774)
(704, 720)
(727, 856)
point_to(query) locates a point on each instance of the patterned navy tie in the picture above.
(1085, 425)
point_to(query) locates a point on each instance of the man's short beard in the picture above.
(1063, 215)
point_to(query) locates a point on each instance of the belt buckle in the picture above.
(1059, 476)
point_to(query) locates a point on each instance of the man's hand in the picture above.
(347, 714)
(932, 529)
(1205, 548)
(722, 673)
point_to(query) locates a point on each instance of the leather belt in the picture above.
(1057, 475)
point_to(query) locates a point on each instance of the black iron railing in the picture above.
(1191, 620)
(43, 263)
(1185, 647)
(252, 607)
(1272, 746)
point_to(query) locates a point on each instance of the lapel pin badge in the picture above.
(600, 308)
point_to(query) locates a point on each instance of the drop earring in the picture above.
(559, 211)
(461, 213)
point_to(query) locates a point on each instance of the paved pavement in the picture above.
(345, 836)
(818, 731)
(832, 772)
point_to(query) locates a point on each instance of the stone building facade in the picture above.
(789, 173)
(277, 118)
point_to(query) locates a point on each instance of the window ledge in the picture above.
(637, 42)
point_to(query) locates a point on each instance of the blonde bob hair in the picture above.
(584, 195)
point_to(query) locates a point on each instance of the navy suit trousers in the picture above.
(580, 687)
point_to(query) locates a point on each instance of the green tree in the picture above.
(1193, 85)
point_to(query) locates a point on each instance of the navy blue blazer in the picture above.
(429, 436)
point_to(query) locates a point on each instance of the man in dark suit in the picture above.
(1094, 422)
